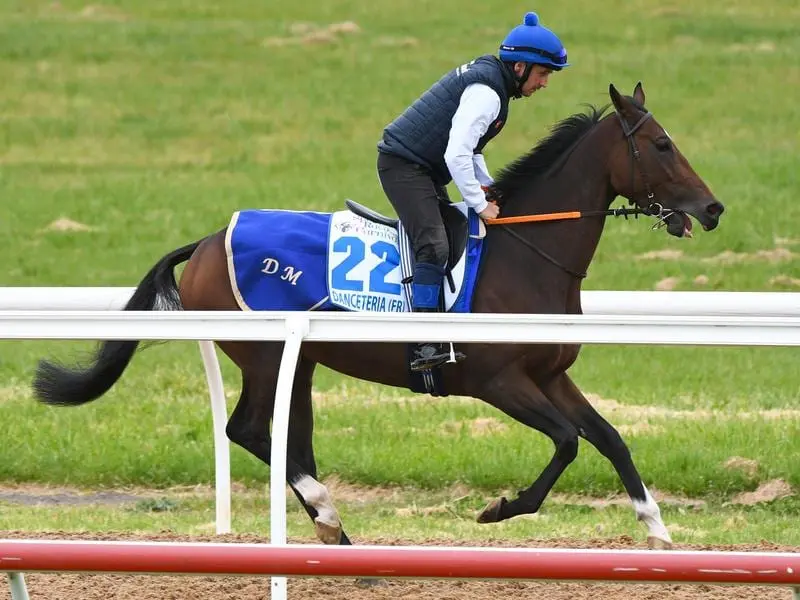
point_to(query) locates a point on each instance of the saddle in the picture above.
(455, 224)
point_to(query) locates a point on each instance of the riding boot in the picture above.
(427, 289)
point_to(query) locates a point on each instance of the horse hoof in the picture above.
(372, 583)
(655, 543)
(327, 533)
(491, 514)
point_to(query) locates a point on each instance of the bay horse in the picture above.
(586, 161)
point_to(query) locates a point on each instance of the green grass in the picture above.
(152, 122)
(382, 438)
(159, 123)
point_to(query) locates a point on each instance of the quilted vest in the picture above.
(421, 133)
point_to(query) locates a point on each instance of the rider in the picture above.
(440, 137)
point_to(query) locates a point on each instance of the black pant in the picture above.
(415, 198)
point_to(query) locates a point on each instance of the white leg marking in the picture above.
(315, 494)
(649, 513)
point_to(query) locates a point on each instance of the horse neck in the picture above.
(581, 184)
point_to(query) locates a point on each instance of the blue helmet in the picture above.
(535, 44)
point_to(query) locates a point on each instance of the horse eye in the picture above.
(663, 144)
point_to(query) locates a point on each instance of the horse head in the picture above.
(647, 168)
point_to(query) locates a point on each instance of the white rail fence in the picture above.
(736, 328)
(603, 302)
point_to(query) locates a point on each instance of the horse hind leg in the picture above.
(312, 494)
(602, 435)
(248, 427)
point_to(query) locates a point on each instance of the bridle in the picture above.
(628, 131)
(653, 209)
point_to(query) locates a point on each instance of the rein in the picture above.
(654, 209)
(575, 214)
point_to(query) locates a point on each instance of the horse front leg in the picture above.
(571, 403)
(517, 395)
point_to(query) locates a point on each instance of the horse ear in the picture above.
(638, 93)
(616, 98)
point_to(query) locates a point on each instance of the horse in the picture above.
(583, 164)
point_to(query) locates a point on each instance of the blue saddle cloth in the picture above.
(304, 260)
(277, 259)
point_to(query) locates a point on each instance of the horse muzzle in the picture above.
(679, 224)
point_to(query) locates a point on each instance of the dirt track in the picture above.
(127, 587)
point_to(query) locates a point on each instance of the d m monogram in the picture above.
(289, 273)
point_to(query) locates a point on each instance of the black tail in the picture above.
(61, 385)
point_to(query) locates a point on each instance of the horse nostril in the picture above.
(715, 209)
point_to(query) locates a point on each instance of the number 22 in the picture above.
(356, 250)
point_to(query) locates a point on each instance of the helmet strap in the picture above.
(521, 79)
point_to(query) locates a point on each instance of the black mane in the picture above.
(546, 154)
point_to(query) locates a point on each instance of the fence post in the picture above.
(296, 330)
(219, 418)
(18, 589)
